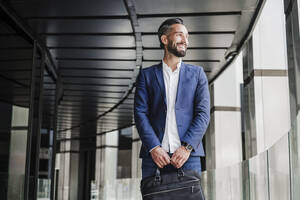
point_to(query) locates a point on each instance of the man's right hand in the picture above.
(160, 157)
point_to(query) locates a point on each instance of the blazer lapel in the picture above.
(180, 81)
(160, 79)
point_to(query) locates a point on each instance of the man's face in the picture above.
(177, 40)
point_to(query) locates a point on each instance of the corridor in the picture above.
(67, 83)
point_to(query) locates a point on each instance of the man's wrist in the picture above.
(187, 146)
(154, 148)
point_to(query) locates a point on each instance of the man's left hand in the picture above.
(180, 156)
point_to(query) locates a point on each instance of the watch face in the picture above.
(189, 147)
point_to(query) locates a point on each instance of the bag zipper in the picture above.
(170, 190)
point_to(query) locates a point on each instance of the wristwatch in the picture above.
(187, 146)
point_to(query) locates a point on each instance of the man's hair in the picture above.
(165, 27)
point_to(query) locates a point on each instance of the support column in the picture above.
(68, 170)
(223, 140)
(136, 162)
(106, 164)
(74, 169)
(17, 153)
(266, 80)
(63, 180)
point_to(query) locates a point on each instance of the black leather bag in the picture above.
(180, 185)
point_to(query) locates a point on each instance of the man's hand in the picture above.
(160, 157)
(180, 156)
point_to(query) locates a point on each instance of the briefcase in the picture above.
(180, 185)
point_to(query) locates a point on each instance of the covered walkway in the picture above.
(67, 81)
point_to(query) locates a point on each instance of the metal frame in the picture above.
(30, 123)
(53, 192)
(39, 125)
(293, 42)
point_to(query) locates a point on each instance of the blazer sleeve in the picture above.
(196, 131)
(141, 114)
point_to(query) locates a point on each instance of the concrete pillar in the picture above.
(17, 152)
(223, 138)
(68, 169)
(268, 79)
(64, 168)
(74, 169)
(106, 164)
(136, 162)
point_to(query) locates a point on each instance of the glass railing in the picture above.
(123, 189)
(271, 175)
(294, 150)
(263, 177)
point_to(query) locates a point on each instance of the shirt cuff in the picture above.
(154, 148)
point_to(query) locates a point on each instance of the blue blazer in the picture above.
(192, 107)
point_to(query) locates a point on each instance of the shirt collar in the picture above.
(166, 67)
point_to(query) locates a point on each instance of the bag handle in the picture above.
(180, 173)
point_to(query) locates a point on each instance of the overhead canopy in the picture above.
(98, 46)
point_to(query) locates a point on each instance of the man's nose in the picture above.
(185, 40)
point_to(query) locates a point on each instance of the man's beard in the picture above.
(172, 48)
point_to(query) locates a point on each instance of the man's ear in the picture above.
(164, 39)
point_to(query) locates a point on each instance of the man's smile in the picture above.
(181, 46)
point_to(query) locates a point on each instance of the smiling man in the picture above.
(171, 106)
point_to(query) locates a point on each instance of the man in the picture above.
(171, 106)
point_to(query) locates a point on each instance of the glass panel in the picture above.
(17, 160)
(265, 176)
(207, 183)
(224, 182)
(279, 179)
(121, 189)
(258, 174)
(295, 159)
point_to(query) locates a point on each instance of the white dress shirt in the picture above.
(171, 140)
